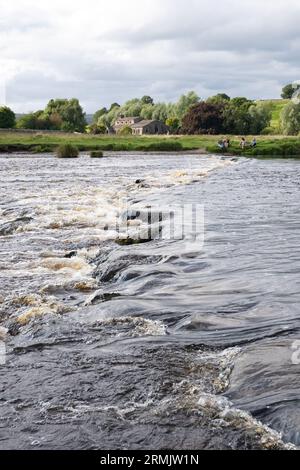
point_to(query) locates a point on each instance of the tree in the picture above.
(223, 96)
(173, 124)
(242, 116)
(131, 108)
(7, 118)
(261, 115)
(290, 119)
(147, 100)
(108, 119)
(28, 121)
(203, 118)
(34, 121)
(99, 113)
(289, 90)
(220, 98)
(236, 116)
(185, 102)
(147, 111)
(55, 121)
(114, 105)
(160, 112)
(66, 115)
(126, 130)
(96, 129)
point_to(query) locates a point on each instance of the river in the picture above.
(174, 343)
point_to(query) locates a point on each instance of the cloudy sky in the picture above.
(111, 50)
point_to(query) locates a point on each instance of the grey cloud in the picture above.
(243, 48)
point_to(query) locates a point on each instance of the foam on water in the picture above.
(138, 326)
(39, 306)
(225, 414)
(101, 333)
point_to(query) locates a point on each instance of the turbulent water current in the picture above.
(179, 342)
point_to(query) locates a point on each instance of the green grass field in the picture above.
(47, 142)
(42, 143)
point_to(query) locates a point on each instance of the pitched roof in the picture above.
(144, 123)
(127, 117)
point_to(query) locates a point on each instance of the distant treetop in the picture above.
(289, 90)
(147, 100)
(7, 118)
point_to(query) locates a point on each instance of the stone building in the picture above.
(149, 128)
(140, 126)
(125, 122)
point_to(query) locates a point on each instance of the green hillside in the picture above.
(277, 106)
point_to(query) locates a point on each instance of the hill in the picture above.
(277, 106)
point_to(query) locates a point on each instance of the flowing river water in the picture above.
(167, 344)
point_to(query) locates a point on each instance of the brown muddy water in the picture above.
(162, 345)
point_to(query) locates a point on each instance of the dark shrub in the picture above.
(203, 118)
(96, 154)
(125, 131)
(67, 151)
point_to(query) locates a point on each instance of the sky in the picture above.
(102, 51)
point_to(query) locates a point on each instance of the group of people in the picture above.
(244, 143)
(224, 144)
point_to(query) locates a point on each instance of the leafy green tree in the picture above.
(7, 118)
(147, 111)
(185, 102)
(261, 115)
(223, 96)
(289, 90)
(66, 115)
(96, 129)
(290, 119)
(55, 121)
(241, 102)
(28, 121)
(132, 108)
(242, 116)
(236, 116)
(203, 118)
(160, 112)
(173, 124)
(220, 98)
(125, 131)
(147, 100)
(34, 121)
(114, 105)
(172, 111)
(99, 113)
(109, 118)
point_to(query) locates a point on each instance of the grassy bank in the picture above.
(39, 143)
(268, 146)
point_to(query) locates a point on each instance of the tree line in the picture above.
(59, 115)
(189, 115)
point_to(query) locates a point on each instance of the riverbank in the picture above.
(40, 142)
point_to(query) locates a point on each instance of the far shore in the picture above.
(45, 142)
